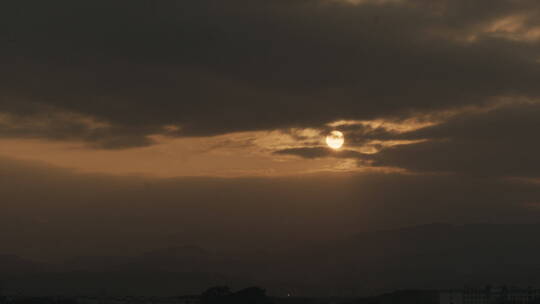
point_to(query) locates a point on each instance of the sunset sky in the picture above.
(132, 125)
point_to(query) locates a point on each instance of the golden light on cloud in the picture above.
(232, 155)
(335, 140)
(396, 126)
(515, 27)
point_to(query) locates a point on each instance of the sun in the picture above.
(335, 140)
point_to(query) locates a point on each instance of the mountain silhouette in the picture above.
(420, 257)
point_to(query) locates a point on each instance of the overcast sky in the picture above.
(203, 122)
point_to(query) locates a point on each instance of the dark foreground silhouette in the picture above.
(223, 295)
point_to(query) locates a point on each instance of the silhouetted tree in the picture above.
(535, 301)
(66, 301)
(251, 295)
(223, 295)
(215, 295)
(35, 300)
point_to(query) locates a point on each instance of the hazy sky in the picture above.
(158, 122)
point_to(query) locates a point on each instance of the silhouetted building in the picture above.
(489, 295)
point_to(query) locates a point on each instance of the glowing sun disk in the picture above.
(335, 140)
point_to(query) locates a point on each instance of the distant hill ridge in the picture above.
(428, 256)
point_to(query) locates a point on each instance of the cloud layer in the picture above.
(213, 67)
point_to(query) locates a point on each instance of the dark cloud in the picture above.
(320, 152)
(54, 125)
(215, 67)
(359, 135)
(499, 142)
